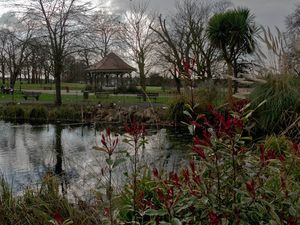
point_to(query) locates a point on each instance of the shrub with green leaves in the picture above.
(66, 113)
(14, 113)
(279, 144)
(38, 115)
(275, 103)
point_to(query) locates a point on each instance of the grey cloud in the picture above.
(267, 12)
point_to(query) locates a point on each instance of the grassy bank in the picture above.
(37, 114)
(78, 99)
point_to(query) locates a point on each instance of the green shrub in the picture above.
(13, 113)
(38, 115)
(275, 103)
(280, 144)
(20, 114)
(131, 90)
(65, 113)
(145, 188)
(207, 94)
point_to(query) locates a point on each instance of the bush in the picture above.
(20, 115)
(66, 113)
(227, 182)
(208, 94)
(275, 103)
(130, 90)
(281, 145)
(38, 115)
(13, 113)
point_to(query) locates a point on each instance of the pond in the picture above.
(29, 152)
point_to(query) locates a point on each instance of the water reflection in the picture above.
(28, 152)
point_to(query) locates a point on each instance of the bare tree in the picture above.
(62, 23)
(38, 65)
(138, 39)
(106, 28)
(184, 39)
(3, 56)
(293, 39)
(15, 48)
(103, 37)
(15, 35)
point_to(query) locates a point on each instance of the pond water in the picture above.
(28, 152)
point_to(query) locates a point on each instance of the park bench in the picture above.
(35, 95)
(150, 95)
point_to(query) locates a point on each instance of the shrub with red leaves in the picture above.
(213, 218)
(58, 218)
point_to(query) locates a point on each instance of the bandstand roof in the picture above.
(111, 63)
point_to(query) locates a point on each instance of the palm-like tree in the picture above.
(233, 32)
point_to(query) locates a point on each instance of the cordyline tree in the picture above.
(184, 40)
(61, 22)
(233, 32)
(138, 39)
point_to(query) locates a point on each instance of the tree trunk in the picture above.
(33, 74)
(13, 80)
(235, 75)
(3, 72)
(230, 74)
(142, 76)
(178, 84)
(57, 76)
(208, 69)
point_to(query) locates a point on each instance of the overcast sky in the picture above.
(268, 12)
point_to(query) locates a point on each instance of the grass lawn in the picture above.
(78, 99)
(157, 89)
(25, 86)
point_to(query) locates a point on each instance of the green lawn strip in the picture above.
(78, 99)
(158, 89)
(26, 86)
